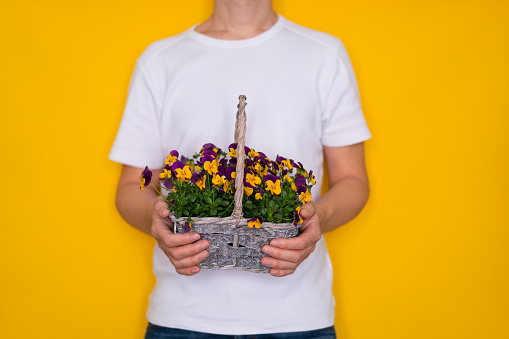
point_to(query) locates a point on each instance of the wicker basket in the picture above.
(233, 245)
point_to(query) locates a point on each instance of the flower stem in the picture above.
(157, 190)
(226, 210)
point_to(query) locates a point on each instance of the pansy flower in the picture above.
(272, 184)
(301, 189)
(199, 180)
(252, 154)
(210, 167)
(172, 157)
(228, 172)
(300, 180)
(259, 194)
(188, 227)
(253, 179)
(248, 188)
(209, 146)
(312, 178)
(168, 183)
(256, 222)
(183, 174)
(211, 153)
(164, 174)
(227, 188)
(233, 150)
(217, 180)
(305, 196)
(296, 217)
(288, 164)
(145, 178)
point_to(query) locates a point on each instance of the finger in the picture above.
(280, 272)
(305, 239)
(165, 236)
(188, 270)
(279, 264)
(293, 256)
(190, 261)
(186, 251)
(161, 208)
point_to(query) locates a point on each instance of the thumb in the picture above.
(307, 210)
(161, 207)
(164, 212)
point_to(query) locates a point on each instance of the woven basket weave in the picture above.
(233, 245)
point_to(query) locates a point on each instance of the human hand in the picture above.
(179, 248)
(287, 254)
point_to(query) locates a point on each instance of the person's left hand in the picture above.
(287, 254)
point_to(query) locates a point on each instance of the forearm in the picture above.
(135, 206)
(343, 201)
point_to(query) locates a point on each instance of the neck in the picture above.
(239, 19)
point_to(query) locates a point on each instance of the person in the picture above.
(303, 103)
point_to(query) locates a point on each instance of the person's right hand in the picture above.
(182, 250)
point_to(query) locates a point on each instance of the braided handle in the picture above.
(240, 139)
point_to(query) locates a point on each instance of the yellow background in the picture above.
(428, 256)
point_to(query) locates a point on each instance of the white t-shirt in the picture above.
(302, 94)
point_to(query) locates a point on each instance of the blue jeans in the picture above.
(159, 332)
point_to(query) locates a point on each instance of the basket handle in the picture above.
(240, 139)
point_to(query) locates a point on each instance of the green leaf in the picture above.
(186, 213)
(208, 200)
(271, 204)
(178, 214)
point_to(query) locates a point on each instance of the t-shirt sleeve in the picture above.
(138, 140)
(343, 122)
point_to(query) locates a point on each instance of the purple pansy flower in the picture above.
(168, 183)
(206, 158)
(256, 222)
(210, 152)
(228, 172)
(234, 146)
(187, 227)
(208, 147)
(300, 180)
(146, 178)
(195, 177)
(262, 160)
(270, 177)
(221, 170)
(280, 159)
(296, 218)
(301, 189)
(177, 164)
